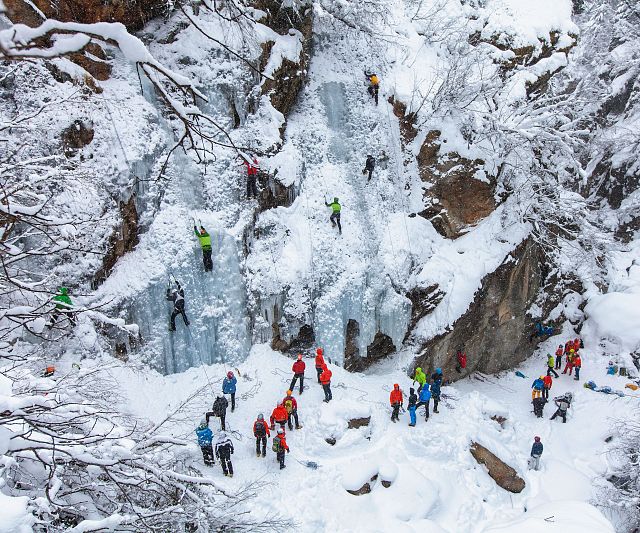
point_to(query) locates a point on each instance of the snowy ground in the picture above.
(438, 485)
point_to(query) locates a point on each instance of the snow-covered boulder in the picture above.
(505, 476)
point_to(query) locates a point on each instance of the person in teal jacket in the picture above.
(205, 244)
(63, 306)
(335, 213)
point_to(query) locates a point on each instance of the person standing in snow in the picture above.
(279, 416)
(369, 166)
(291, 407)
(577, 364)
(396, 401)
(559, 352)
(412, 406)
(536, 452)
(205, 436)
(550, 366)
(219, 409)
(537, 386)
(335, 213)
(252, 176)
(176, 295)
(229, 387)
(373, 87)
(569, 364)
(298, 373)
(436, 379)
(563, 403)
(538, 406)
(224, 451)
(461, 357)
(420, 378)
(63, 307)
(325, 381)
(205, 244)
(548, 382)
(280, 447)
(319, 362)
(424, 397)
(261, 432)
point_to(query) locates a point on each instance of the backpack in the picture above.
(276, 444)
(259, 429)
(288, 405)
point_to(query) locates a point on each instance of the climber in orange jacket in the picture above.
(279, 416)
(325, 380)
(395, 399)
(319, 362)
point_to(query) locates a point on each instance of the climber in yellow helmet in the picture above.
(374, 85)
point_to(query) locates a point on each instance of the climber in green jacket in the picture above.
(420, 377)
(335, 213)
(205, 244)
(63, 306)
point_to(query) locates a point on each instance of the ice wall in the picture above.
(216, 308)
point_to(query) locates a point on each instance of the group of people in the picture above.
(284, 415)
(427, 390)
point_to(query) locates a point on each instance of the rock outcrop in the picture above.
(504, 475)
(381, 346)
(495, 330)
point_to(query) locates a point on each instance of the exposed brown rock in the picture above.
(76, 136)
(408, 129)
(504, 475)
(499, 419)
(423, 301)
(356, 423)
(494, 332)
(123, 240)
(331, 441)
(365, 489)
(455, 198)
(380, 347)
(98, 68)
(303, 341)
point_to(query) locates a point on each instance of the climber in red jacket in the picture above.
(462, 361)
(319, 362)
(325, 380)
(298, 373)
(252, 175)
(395, 399)
(279, 416)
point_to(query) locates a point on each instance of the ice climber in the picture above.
(536, 452)
(550, 365)
(229, 387)
(411, 406)
(252, 176)
(219, 409)
(373, 86)
(279, 416)
(369, 166)
(563, 403)
(280, 446)
(548, 382)
(224, 451)
(261, 432)
(538, 406)
(559, 353)
(319, 362)
(537, 386)
(335, 213)
(176, 295)
(569, 365)
(63, 306)
(298, 373)
(420, 378)
(205, 244)
(291, 407)
(436, 379)
(424, 397)
(395, 399)
(325, 381)
(577, 364)
(461, 357)
(205, 436)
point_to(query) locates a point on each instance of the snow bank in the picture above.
(14, 515)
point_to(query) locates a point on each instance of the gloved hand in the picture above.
(288, 451)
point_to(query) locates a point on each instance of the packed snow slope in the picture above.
(436, 483)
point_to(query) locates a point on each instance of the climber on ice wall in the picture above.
(335, 213)
(373, 85)
(176, 295)
(205, 244)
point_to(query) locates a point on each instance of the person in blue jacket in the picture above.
(436, 377)
(537, 387)
(425, 396)
(536, 452)
(413, 400)
(205, 436)
(229, 387)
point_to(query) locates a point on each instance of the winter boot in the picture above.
(298, 426)
(258, 454)
(264, 454)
